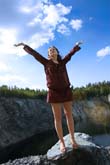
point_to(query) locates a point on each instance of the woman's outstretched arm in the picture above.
(34, 53)
(71, 53)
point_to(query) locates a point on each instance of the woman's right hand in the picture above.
(19, 44)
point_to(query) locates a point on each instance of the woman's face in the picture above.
(52, 53)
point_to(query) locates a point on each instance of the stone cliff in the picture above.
(22, 118)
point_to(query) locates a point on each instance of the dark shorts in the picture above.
(59, 96)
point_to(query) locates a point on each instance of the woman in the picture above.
(59, 91)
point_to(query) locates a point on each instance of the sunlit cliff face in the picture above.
(52, 54)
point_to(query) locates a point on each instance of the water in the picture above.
(99, 132)
(102, 140)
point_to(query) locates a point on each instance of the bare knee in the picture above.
(56, 108)
(68, 113)
(67, 109)
(57, 119)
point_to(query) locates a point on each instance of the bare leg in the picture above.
(70, 122)
(56, 108)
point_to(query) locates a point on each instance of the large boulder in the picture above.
(88, 153)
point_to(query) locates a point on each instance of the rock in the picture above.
(23, 118)
(88, 153)
(17, 116)
(20, 119)
(26, 160)
(108, 149)
(81, 139)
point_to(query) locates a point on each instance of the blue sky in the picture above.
(42, 23)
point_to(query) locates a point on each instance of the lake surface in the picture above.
(102, 140)
(99, 132)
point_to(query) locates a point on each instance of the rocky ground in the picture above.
(88, 153)
(20, 119)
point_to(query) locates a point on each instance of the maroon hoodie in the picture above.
(56, 74)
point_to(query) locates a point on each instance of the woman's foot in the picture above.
(62, 147)
(74, 144)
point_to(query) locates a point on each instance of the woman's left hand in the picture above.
(19, 44)
(76, 48)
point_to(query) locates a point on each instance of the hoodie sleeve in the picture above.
(70, 54)
(37, 56)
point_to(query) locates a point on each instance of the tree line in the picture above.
(79, 93)
(21, 92)
(92, 90)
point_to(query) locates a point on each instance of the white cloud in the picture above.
(12, 79)
(76, 24)
(3, 67)
(20, 81)
(63, 29)
(50, 15)
(46, 21)
(54, 14)
(36, 17)
(26, 9)
(7, 40)
(8, 37)
(103, 52)
(39, 39)
(36, 23)
(29, 7)
(36, 20)
(47, 18)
